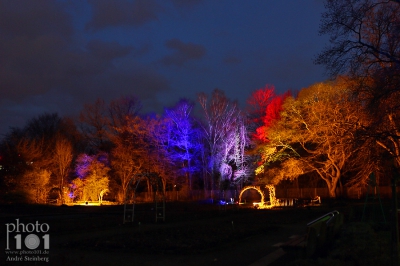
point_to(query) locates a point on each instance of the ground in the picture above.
(193, 234)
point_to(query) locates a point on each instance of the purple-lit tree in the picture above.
(225, 136)
(183, 139)
(93, 172)
(243, 167)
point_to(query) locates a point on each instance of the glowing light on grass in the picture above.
(88, 203)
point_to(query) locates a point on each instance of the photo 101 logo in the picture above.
(31, 236)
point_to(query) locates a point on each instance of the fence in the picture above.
(300, 193)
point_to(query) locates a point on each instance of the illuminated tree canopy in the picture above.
(225, 136)
(364, 45)
(184, 139)
(93, 176)
(336, 132)
(317, 131)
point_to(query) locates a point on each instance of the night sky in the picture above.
(56, 56)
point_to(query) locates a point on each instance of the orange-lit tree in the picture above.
(34, 150)
(317, 132)
(36, 184)
(125, 155)
(93, 172)
(63, 154)
(35, 180)
(145, 148)
(365, 45)
(159, 159)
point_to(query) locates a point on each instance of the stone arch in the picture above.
(159, 195)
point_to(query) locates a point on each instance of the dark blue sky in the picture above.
(57, 55)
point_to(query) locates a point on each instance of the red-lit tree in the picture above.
(271, 114)
(256, 106)
(258, 103)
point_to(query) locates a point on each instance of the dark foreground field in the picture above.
(192, 234)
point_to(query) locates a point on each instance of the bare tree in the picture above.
(365, 44)
(127, 158)
(94, 124)
(122, 109)
(223, 132)
(183, 142)
(364, 36)
(125, 155)
(63, 154)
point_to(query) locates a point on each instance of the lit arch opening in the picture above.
(263, 204)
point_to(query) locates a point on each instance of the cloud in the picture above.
(31, 66)
(105, 52)
(122, 13)
(183, 52)
(138, 80)
(34, 37)
(34, 18)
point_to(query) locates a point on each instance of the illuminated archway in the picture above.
(252, 187)
(272, 197)
(262, 205)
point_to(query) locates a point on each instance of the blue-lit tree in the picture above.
(184, 139)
